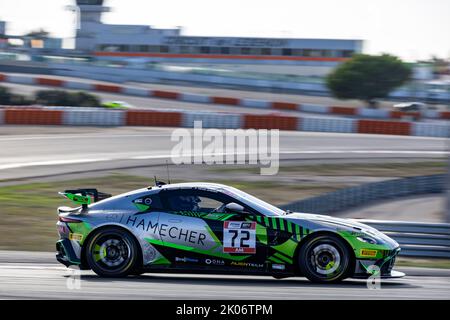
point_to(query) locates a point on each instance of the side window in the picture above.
(194, 201)
(148, 203)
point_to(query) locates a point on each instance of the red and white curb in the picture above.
(77, 116)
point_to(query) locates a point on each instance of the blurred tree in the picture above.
(5, 95)
(66, 98)
(7, 98)
(39, 34)
(368, 78)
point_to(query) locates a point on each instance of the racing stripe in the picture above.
(282, 222)
(228, 216)
(274, 223)
(272, 258)
(282, 257)
(289, 226)
(297, 232)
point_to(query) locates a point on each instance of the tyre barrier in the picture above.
(74, 117)
(384, 127)
(431, 130)
(327, 125)
(180, 118)
(227, 101)
(33, 116)
(252, 121)
(212, 120)
(416, 239)
(153, 118)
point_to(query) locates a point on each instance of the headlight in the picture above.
(367, 239)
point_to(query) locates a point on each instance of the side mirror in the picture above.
(234, 207)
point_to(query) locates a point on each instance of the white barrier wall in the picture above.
(314, 108)
(212, 120)
(78, 85)
(374, 113)
(327, 125)
(431, 130)
(21, 79)
(251, 103)
(197, 98)
(140, 92)
(75, 117)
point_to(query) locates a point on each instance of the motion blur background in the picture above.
(88, 102)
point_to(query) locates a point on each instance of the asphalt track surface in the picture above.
(37, 276)
(27, 151)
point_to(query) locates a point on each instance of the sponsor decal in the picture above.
(247, 264)
(278, 266)
(165, 231)
(143, 204)
(75, 236)
(368, 253)
(186, 260)
(216, 262)
(239, 237)
(357, 234)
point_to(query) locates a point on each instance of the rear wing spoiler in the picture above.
(85, 196)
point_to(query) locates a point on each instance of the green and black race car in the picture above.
(213, 228)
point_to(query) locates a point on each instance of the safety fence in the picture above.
(352, 197)
(182, 118)
(352, 112)
(417, 239)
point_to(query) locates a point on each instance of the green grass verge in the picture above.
(353, 169)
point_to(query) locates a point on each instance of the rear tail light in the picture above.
(69, 220)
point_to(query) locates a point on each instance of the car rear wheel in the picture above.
(112, 252)
(324, 258)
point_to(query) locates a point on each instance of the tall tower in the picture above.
(88, 23)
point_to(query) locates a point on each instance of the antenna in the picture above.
(168, 176)
(156, 182)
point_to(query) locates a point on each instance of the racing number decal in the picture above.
(239, 237)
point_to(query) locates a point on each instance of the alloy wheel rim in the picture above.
(325, 259)
(111, 253)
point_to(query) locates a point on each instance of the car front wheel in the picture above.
(324, 258)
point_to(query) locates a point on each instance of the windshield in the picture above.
(257, 204)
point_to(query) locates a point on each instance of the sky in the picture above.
(411, 29)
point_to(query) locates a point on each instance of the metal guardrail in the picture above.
(352, 197)
(417, 239)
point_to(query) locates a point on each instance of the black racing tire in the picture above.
(324, 258)
(112, 252)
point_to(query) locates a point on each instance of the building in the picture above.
(168, 46)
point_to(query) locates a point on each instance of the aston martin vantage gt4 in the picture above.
(213, 228)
